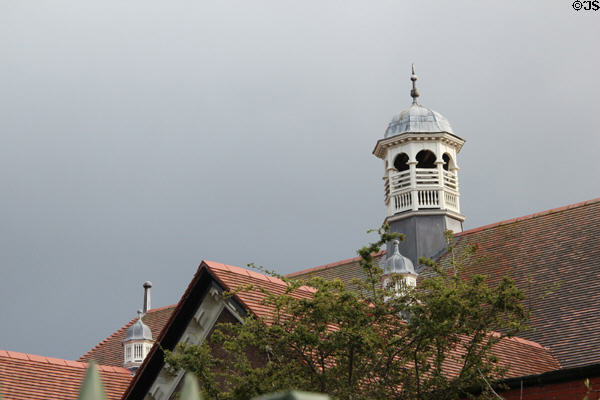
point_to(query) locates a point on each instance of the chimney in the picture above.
(147, 286)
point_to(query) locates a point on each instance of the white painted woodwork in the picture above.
(420, 188)
(196, 332)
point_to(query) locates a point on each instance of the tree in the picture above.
(367, 341)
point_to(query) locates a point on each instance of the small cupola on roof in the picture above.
(396, 263)
(422, 197)
(138, 339)
(139, 330)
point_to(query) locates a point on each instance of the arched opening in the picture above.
(448, 164)
(401, 162)
(425, 159)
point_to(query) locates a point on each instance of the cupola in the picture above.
(422, 197)
(397, 264)
(138, 339)
(137, 344)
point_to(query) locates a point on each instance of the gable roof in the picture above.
(522, 357)
(110, 350)
(30, 377)
(208, 273)
(554, 257)
(555, 249)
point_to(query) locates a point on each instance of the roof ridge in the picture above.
(528, 342)
(250, 273)
(530, 216)
(126, 326)
(330, 265)
(16, 355)
(161, 308)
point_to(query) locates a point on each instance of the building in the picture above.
(553, 256)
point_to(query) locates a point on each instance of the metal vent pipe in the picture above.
(147, 286)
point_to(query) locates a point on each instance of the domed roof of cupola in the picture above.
(416, 118)
(396, 263)
(139, 330)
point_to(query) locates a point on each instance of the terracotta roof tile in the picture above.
(554, 257)
(519, 356)
(527, 247)
(334, 266)
(32, 377)
(234, 277)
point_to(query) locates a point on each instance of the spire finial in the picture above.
(414, 92)
(396, 250)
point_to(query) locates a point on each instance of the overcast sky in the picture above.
(139, 137)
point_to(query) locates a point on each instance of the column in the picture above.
(412, 167)
(441, 197)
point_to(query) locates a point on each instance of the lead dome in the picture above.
(418, 119)
(139, 330)
(396, 263)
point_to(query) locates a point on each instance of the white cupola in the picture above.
(138, 340)
(137, 344)
(397, 264)
(422, 197)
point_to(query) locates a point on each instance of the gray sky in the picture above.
(139, 137)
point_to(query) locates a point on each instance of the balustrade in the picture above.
(451, 200)
(427, 177)
(432, 190)
(428, 198)
(450, 180)
(403, 201)
(400, 180)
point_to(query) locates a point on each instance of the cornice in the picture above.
(444, 137)
(411, 213)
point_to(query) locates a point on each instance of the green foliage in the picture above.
(370, 342)
(587, 385)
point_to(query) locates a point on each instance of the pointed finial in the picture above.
(139, 313)
(396, 250)
(414, 93)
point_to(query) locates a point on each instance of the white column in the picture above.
(390, 204)
(440, 170)
(412, 165)
(455, 171)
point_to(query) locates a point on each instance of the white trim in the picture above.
(198, 328)
(447, 138)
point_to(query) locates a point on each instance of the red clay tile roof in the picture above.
(558, 246)
(519, 356)
(345, 270)
(554, 257)
(231, 278)
(110, 350)
(522, 357)
(31, 377)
